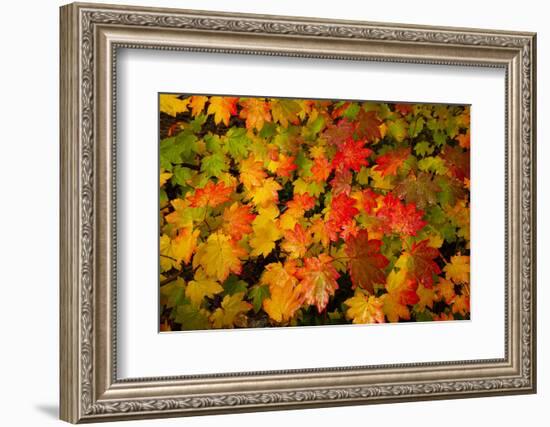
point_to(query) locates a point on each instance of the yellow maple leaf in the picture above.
(167, 261)
(364, 308)
(184, 244)
(426, 297)
(172, 105)
(286, 296)
(197, 103)
(256, 112)
(461, 304)
(219, 256)
(182, 216)
(222, 107)
(458, 270)
(445, 290)
(263, 238)
(252, 173)
(283, 303)
(202, 286)
(394, 309)
(232, 311)
(266, 193)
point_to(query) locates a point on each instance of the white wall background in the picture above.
(29, 170)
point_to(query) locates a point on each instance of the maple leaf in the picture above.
(368, 125)
(182, 216)
(342, 209)
(167, 260)
(266, 193)
(445, 290)
(463, 140)
(197, 104)
(237, 220)
(419, 262)
(458, 270)
(337, 134)
(296, 242)
(461, 305)
(285, 166)
(256, 112)
(202, 286)
(283, 303)
(318, 279)
(219, 256)
(364, 308)
(404, 109)
(252, 173)
(400, 284)
(222, 107)
(285, 111)
(399, 218)
(286, 296)
(172, 104)
(366, 199)
(231, 313)
(366, 263)
(426, 297)
(184, 244)
(211, 195)
(321, 169)
(263, 240)
(341, 183)
(389, 163)
(394, 309)
(351, 155)
(420, 190)
(458, 161)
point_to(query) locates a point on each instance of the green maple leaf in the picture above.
(214, 164)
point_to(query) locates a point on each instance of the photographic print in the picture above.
(278, 212)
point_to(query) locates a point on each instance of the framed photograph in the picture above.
(267, 212)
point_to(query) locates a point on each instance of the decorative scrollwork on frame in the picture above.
(90, 18)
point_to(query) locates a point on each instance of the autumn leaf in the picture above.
(400, 218)
(458, 270)
(256, 113)
(364, 308)
(389, 163)
(366, 262)
(264, 238)
(321, 169)
(266, 193)
(202, 286)
(172, 104)
(285, 111)
(219, 256)
(252, 173)
(296, 242)
(237, 220)
(420, 190)
(368, 125)
(352, 155)
(181, 216)
(394, 309)
(184, 244)
(318, 279)
(231, 313)
(419, 262)
(197, 104)
(222, 107)
(283, 303)
(211, 195)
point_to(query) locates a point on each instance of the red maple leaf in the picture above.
(321, 169)
(368, 125)
(301, 202)
(366, 263)
(339, 133)
(389, 163)
(422, 266)
(351, 155)
(400, 218)
(211, 195)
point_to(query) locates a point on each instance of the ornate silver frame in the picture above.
(90, 36)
